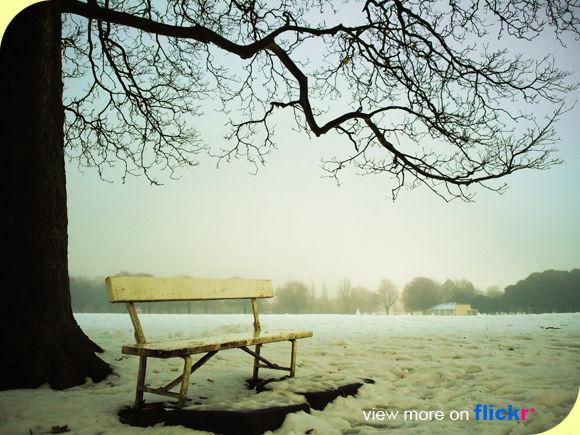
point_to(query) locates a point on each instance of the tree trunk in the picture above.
(44, 344)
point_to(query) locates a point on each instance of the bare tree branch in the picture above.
(412, 85)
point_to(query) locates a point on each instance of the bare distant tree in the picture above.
(364, 300)
(293, 297)
(410, 86)
(388, 294)
(345, 295)
(324, 294)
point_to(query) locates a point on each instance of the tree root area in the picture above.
(252, 422)
(62, 358)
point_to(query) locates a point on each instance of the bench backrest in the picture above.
(130, 289)
(149, 289)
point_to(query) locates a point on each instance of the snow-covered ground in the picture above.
(422, 363)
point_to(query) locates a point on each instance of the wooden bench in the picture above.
(131, 289)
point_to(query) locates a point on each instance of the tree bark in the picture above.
(44, 344)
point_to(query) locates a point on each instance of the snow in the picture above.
(422, 363)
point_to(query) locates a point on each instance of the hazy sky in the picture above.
(287, 222)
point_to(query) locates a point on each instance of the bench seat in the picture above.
(183, 347)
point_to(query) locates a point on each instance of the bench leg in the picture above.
(185, 382)
(256, 362)
(293, 359)
(140, 382)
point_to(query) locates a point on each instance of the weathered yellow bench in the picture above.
(131, 289)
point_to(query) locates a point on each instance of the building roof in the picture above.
(450, 306)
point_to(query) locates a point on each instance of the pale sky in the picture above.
(287, 222)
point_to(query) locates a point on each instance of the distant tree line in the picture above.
(541, 292)
(549, 291)
(90, 295)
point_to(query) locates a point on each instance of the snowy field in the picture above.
(422, 363)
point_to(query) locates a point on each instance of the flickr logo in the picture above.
(486, 412)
